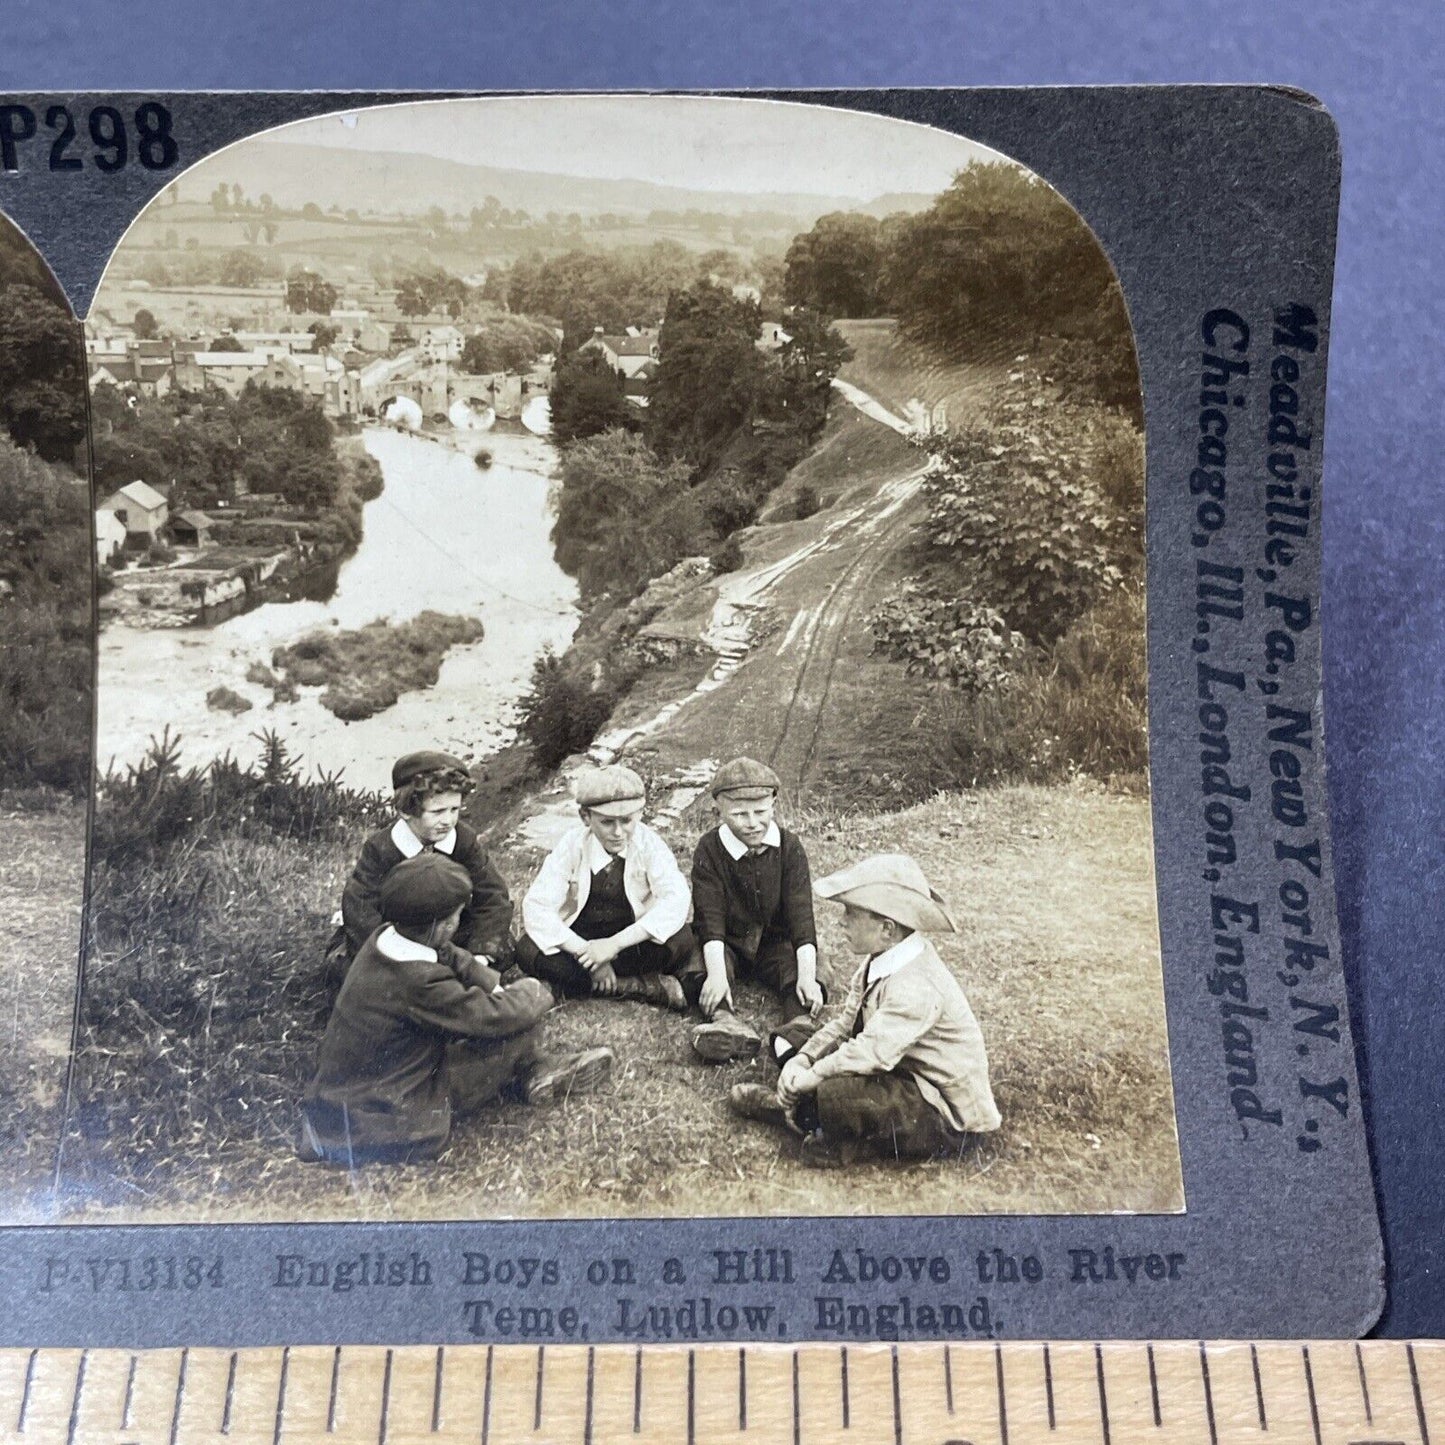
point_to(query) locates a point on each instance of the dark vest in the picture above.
(607, 910)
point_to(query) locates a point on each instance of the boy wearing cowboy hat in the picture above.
(752, 909)
(422, 1031)
(607, 912)
(902, 1071)
(428, 789)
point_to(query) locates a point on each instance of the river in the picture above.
(443, 535)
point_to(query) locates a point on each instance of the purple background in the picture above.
(1378, 66)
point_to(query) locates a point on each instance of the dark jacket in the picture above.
(744, 900)
(381, 1085)
(486, 925)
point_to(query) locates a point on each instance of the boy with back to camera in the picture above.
(429, 788)
(422, 1032)
(902, 1071)
(606, 914)
(752, 898)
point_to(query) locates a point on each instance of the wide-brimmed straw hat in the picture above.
(893, 885)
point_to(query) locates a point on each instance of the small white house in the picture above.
(141, 509)
(110, 537)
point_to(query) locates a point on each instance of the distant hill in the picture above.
(385, 181)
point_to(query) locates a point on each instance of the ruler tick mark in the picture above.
(1208, 1394)
(385, 1401)
(1002, 1400)
(742, 1389)
(436, 1393)
(637, 1392)
(1103, 1391)
(75, 1399)
(1310, 1390)
(280, 1399)
(230, 1393)
(843, 1372)
(181, 1395)
(1419, 1401)
(129, 1402)
(1364, 1383)
(1154, 1388)
(797, 1420)
(898, 1403)
(335, 1382)
(1049, 1386)
(591, 1379)
(537, 1404)
(1259, 1387)
(487, 1400)
(25, 1392)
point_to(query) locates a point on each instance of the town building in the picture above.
(440, 343)
(628, 353)
(191, 528)
(110, 535)
(141, 509)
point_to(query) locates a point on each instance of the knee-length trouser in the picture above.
(884, 1113)
(482, 1070)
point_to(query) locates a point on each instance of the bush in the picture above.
(226, 699)
(566, 707)
(728, 557)
(952, 638)
(807, 503)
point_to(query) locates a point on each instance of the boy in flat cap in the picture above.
(429, 788)
(752, 900)
(902, 1071)
(607, 912)
(422, 1031)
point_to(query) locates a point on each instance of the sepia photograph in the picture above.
(620, 683)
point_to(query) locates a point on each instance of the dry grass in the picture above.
(1059, 958)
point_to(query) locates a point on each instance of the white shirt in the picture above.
(597, 857)
(410, 845)
(391, 944)
(773, 838)
(887, 963)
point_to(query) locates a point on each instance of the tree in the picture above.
(312, 212)
(325, 334)
(623, 516)
(144, 325)
(509, 343)
(308, 292)
(811, 357)
(242, 269)
(710, 373)
(226, 342)
(587, 399)
(42, 372)
(426, 291)
(837, 267)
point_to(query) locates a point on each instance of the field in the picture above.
(1059, 959)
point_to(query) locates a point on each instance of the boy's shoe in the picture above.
(757, 1101)
(560, 1075)
(661, 990)
(512, 974)
(725, 1037)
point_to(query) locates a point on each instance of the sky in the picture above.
(701, 143)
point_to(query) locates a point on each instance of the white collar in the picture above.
(887, 963)
(773, 838)
(596, 856)
(410, 845)
(391, 944)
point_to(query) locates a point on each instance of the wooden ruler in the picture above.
(1324, 1393)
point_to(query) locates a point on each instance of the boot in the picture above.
(560, 1075)
(725, 1037)
(757, 1101)
(661, 990)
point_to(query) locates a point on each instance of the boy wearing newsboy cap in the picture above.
(422, 1031)
(902, 1071)
(752, 901)
(607, 912)
(429, 788)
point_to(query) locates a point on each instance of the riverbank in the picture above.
(443, 536)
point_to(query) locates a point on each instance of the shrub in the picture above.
(960, 641)
(727, 558)
(566, 706)
(807, 503)
(226, 699)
